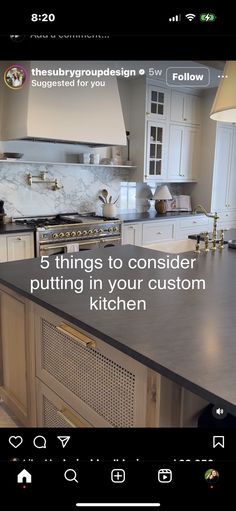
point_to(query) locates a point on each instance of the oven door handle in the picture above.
(53, 246)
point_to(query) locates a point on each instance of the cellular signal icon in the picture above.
(177, 17)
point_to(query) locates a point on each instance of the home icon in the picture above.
(24, 477)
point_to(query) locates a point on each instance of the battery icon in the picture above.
(207, 17)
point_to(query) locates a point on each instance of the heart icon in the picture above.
(15, 441)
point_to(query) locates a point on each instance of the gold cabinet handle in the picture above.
(77, 336)
(18, 238)
(71, 418)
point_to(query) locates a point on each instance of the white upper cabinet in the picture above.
(156, 151)
(224, 181)
(182, 152)
(158, 103)
(231, 192)
(185, 108)
(164, 132)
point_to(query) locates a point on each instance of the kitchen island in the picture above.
(154, 367)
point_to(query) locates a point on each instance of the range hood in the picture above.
(73, 113)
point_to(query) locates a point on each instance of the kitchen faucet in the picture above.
(215, 216)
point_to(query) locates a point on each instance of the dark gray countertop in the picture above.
(14, 228)
(188, 336)
(152, 215)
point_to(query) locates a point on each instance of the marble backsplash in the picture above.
(81, 187)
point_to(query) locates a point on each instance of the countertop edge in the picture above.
(180, 380)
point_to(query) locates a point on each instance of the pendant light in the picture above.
(224, 106)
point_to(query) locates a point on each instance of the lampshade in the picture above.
(224, 106)
(162, 193)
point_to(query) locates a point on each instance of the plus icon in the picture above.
(118, 475)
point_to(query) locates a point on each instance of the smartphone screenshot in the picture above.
(117, 252)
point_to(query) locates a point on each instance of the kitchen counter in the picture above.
(15, 228)
(152, 215)
(186, 336)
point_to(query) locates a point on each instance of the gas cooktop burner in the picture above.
(63, 219)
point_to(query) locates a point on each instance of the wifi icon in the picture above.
(190, 17)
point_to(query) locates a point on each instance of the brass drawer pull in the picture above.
(70, 418)
(77, 336)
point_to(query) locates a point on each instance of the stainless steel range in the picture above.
(72, 232)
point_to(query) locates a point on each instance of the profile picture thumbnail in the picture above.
(15, 77)
(212, 475)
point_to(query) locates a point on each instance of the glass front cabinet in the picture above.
(156, 161)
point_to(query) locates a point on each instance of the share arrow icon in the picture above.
(64, 440)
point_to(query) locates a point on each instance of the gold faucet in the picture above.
(214, 240)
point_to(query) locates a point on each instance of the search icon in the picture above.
(70, 475)
(39, 442)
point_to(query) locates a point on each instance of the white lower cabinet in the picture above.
(152, 232)
(193, 225)
(132, 234)
(14, 247)
(157, 231)
(227, 220)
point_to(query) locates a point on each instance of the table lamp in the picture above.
(161, 195)
(224, 106)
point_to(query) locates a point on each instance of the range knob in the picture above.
(90, 231)
(55, 235)
(73, 234)
(84, 233)
(95, 231)
(100, 230)
(78, 233)
(67, 234)
(61, 234)
(115, 229)
(110, 229)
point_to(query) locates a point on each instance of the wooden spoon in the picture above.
(105, 195)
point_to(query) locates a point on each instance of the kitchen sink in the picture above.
(175, 246)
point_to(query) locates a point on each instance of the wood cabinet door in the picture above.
(17, 347)
(3, 248)
(53, 412)
(102, 384)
